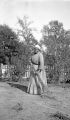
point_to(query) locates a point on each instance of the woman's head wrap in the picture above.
(38, 47)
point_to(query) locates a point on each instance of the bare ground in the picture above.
(16, 104)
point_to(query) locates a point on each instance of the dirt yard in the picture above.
(16, 104)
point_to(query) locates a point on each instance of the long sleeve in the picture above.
(41, 60)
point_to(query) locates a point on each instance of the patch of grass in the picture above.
(18, 107)
(60, 116)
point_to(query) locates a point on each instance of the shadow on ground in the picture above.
(19, 86)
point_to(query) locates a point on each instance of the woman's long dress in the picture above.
(37, 75)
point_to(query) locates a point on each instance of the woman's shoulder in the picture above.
(35, 55)
(40, 54)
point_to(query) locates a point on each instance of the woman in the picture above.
(38, 80)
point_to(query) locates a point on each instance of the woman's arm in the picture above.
(41, 60)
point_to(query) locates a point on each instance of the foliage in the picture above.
(57, 41)
(8, 43)
(22, 59)
(25, 31)
(12, 50)
(54, 37)
(28, 42)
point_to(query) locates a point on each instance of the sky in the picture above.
(41, 12)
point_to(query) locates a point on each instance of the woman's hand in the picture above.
(39, 70)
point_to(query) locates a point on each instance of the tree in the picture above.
(57, 41)
(25, 31)
(8, 43)
(28, 40)
(52, 36)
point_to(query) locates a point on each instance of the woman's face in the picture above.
(36, 50)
